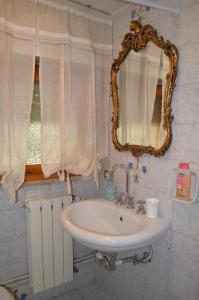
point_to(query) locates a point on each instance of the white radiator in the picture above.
(50, 248)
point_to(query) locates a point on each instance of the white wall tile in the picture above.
(187, 142)
(188, 22)
(6, 204)
(188, 65)
(158, 174)
(185, 104)
(185, 3)
(182, 285)
(12, 250)
(36, 190)
(12, 223)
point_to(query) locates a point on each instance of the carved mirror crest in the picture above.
(142, 83)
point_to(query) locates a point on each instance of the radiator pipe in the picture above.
(25, 277)
(15, 280)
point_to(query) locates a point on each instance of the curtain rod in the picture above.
(90, 7)
(174, 10)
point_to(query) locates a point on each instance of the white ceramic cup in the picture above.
(152, 207)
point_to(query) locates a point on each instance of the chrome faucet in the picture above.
(140, 209)
(123, 198)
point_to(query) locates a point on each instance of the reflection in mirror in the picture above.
(141, 87)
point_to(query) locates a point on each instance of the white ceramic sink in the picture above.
(104, 226)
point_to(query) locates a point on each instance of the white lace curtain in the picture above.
(75, 52)
(17, 52)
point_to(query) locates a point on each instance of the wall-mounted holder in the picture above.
(194, 191)
(136, 172)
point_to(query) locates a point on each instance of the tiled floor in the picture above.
(87, 292)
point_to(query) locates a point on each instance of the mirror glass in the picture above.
(142, 79)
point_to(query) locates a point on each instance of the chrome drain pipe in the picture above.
(135, 259)
(110, 262)
(85, 258)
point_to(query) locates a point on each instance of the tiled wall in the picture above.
(174, 271)
(13, 246)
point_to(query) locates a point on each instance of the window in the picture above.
(33, 167)
(34, 133)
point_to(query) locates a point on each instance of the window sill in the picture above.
(34, 173)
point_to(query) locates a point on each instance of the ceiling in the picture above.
(107, 6)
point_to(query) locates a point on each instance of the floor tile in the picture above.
(92, 291)
(89, 291)
(74, 295)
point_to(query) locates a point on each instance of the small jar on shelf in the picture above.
(183, 182)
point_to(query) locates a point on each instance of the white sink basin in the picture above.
(104, 226)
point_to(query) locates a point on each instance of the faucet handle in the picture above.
(140, 209)
(130, 202)
(121, 199)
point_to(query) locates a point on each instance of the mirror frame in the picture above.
(137, 41)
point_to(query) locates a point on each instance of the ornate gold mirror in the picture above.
(142, 83)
